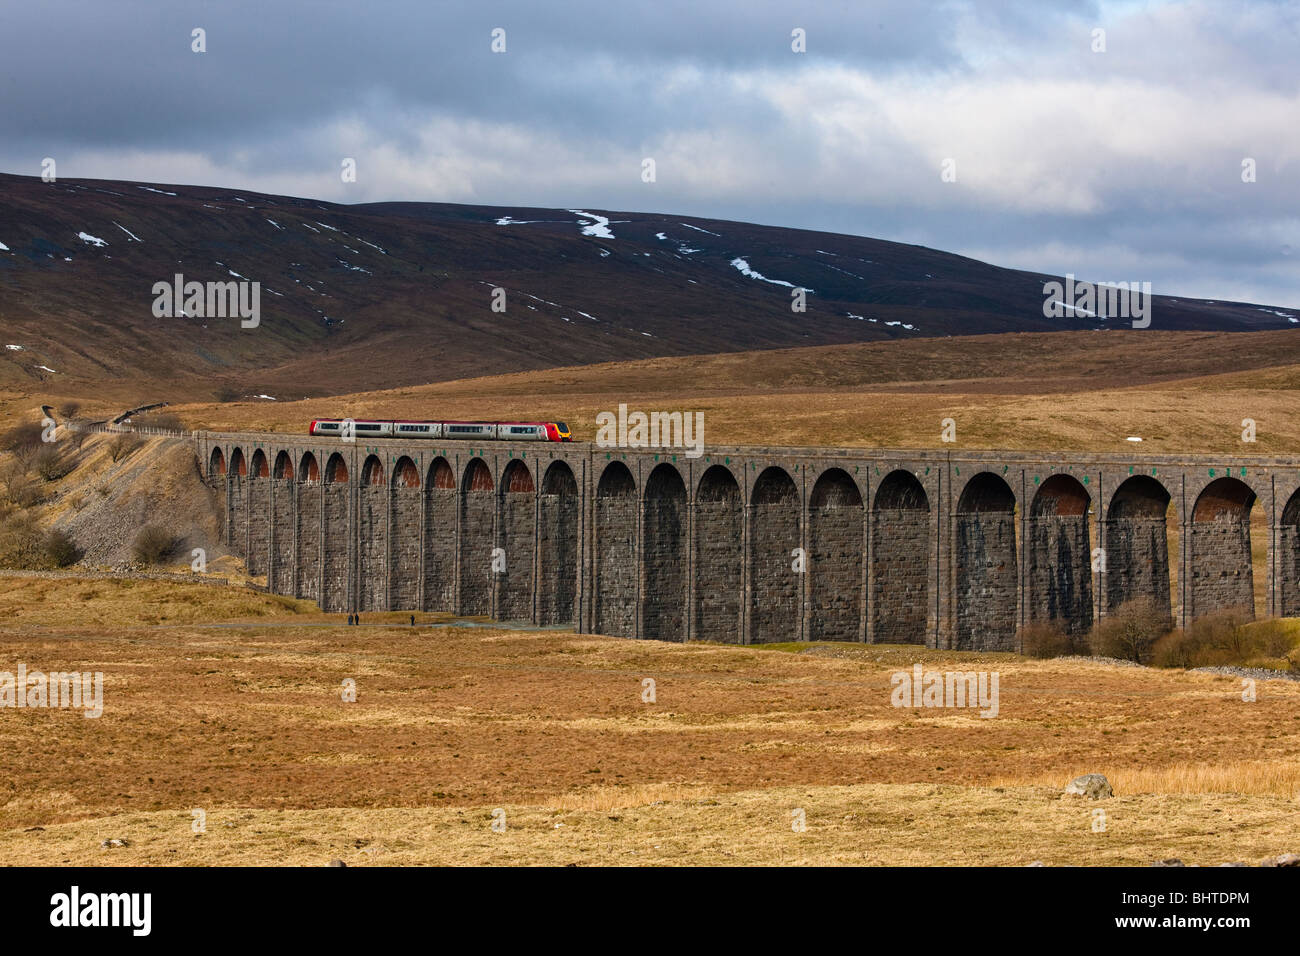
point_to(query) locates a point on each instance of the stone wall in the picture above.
(518, 540)
(559, 517)
(776, 528)
(719, 570)
(987, 585)
(337, 595)
(706, 550)
(663, 594)
(282, 574)
(1221, 577)
(404, 576)
(900, 559)
(1137, 562)
(372, 548)
(309, 543)
(476, 543)
(836, 553)
(1060, 572)
(259, 524)
(440, 550)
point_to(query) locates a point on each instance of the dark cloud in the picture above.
(1126, 162)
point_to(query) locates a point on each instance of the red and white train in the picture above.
(477, 431)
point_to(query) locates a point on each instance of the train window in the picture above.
(561, 426)
(521, 430)
(327, 426)
(366, 428)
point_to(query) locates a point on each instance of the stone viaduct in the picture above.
(953, 549)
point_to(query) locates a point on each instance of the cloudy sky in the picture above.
(1122, 164)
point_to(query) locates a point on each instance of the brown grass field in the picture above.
(230, 701)
(1181, 392)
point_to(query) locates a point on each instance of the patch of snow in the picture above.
(237, 275)
(1074, 308)
(598, 227)
(276, 224)
(683, 249)
(372, 245)
(269, 398)
(660, 235)
(698, 229)
(150, 189)
(604, 253)
(743, 266)
(1132, 438)
(312, 228)
(14, 348)
(47, 368)
(825, 253)
(349, 265)
(507, 221)
(1286, 315)
(322, 225)
(3, 247)
(93, 240)
(133, 236)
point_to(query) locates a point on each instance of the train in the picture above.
(476, 431)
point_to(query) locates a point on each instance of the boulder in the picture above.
(1091, 785)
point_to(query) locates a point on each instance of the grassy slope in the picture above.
(1179, 391)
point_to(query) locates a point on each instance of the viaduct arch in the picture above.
(760, 545)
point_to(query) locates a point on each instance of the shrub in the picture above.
(23, 441)
(22, 544)
(1226, 638)
(1130, 632)
(160, 420)
(227, 393)
(1044, 639)
(19, 489)
(50, 463)
(119, 446)
(152, 544)
(71, 409)
(61, 548)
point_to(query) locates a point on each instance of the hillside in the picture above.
(1181, 392)
(393, 294)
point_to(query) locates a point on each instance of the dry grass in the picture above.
(247, 721)
(123, 602)
(865, 824)
(1064, 391)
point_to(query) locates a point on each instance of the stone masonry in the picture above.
(751, 545)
